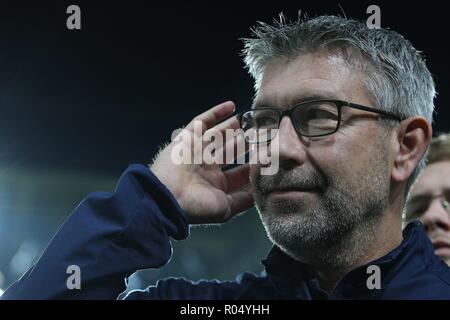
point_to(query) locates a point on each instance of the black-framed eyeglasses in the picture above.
(310, 119)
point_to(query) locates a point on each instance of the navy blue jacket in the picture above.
(111, 235)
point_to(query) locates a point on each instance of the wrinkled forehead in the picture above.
(286, 80)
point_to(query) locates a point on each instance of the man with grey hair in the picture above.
(350, 109)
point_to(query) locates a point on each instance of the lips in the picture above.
(442, 246)
(293, 191)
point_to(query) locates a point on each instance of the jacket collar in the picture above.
(292, 279)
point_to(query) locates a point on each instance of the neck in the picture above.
(366, 243)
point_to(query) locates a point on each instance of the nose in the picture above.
(436, 216)
(291, 146)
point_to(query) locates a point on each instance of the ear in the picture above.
(414, 135)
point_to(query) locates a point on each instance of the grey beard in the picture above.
(336, 232)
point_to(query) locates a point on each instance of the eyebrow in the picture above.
(425, 195)
(419, 197)
(325, 95)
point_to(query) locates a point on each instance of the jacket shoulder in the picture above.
(245, 286)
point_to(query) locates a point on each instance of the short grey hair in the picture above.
(397, 77)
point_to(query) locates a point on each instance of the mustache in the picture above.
(294, 179)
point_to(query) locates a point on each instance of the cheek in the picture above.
(336, 161)
(326, 153)
(333, 164)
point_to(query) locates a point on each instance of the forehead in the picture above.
(286, 81)
(434, 179)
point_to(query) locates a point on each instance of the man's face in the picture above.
(326, 186)
(429, 202)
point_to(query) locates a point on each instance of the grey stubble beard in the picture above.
(340, 229)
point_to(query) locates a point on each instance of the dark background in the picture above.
(76, 107)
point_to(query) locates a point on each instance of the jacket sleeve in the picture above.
(107, 238)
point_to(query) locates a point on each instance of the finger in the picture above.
(237, 177)
(240, 201)
(224, 130)
(230, 123)
(223, 149)
(212, 116)
(234, 149)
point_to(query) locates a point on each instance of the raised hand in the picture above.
(206, 192)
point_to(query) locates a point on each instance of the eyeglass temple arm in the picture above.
(382, 112)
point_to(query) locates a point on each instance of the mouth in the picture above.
(442, 247)
(293, 192)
